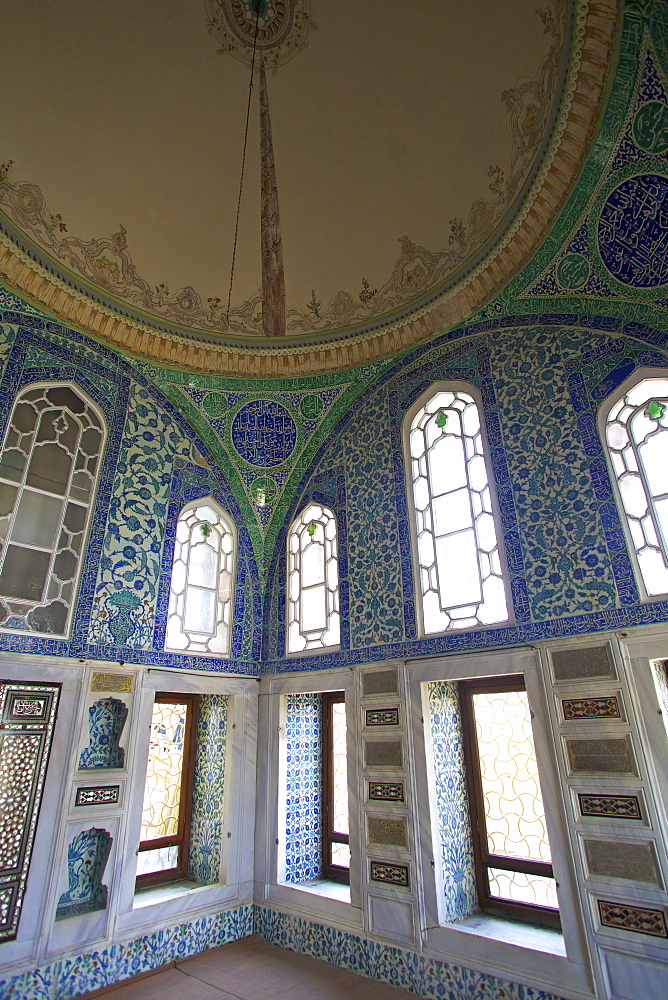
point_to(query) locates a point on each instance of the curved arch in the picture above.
(49, 465)
(460, 576)
(200, 612)
(313, 581)
(634, 429)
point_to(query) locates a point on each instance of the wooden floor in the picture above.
(251, 969)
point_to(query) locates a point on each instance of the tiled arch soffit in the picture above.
(592, 55)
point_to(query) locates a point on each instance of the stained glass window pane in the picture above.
(514, 811)
(199, 617)
(457, 547)
(637, 439)
(41, 447)
(162, 792)
(536, 890)
(313, 581)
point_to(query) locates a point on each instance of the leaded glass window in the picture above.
(636, 433)
(460, 574)
(48, 469)
(199, 617)
(165, 822)
(313, 581)
(511, 846)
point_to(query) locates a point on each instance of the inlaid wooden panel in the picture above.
(576, 664)
(383, 753)
(609, 756)
(391, 832)
(615, 859)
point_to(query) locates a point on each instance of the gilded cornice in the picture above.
(591, 60)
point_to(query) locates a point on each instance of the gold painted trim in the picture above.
(591, 60)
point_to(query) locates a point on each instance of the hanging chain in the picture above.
(243, 162)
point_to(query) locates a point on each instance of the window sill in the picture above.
(159, 893)
(323, 887)
(541, 939)
(522, 953)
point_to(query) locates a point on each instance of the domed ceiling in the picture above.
(390, 150)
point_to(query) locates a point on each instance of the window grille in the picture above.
(636, 433)
(199, 617)
(460, 576)
(313, 581)
(511, 847)
(48, 468)
(167, 808)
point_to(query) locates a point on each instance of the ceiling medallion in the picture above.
(282, 28)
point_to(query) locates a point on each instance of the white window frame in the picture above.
(454, 385)
(89, 507)
(520, 952)
(309, 901)
(641, 375)
(171, 611)
(332, 594)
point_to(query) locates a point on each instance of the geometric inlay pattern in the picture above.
(97, 795)
(27, 717)
(386, 791)
(380, 871)
(610, 806)
(382, 717)
(591, 708)
(632, 918)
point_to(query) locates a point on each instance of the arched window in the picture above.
(313, 581)
(460, 578)
(636, 433)
(48, 469)
(199, 618)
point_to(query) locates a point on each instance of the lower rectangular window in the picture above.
(166, 814)
(512, 853)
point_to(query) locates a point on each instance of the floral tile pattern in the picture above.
(427, 977)
(70, 977)
(206, 831)
(454, 824)
(303, 739)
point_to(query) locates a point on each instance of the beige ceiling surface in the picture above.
(404, 134)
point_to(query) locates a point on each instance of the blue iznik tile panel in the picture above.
(125, 593)
(375, 592)
(86, 860)
(452, 802)
(206, 831)
(70, 977)
(409, 970)
(303, 797)
(566, 562)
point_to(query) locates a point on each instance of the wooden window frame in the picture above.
(528, 912)
(330, 836)
(181, 838)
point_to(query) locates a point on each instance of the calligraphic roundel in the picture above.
(633, 231)
(264, 433)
